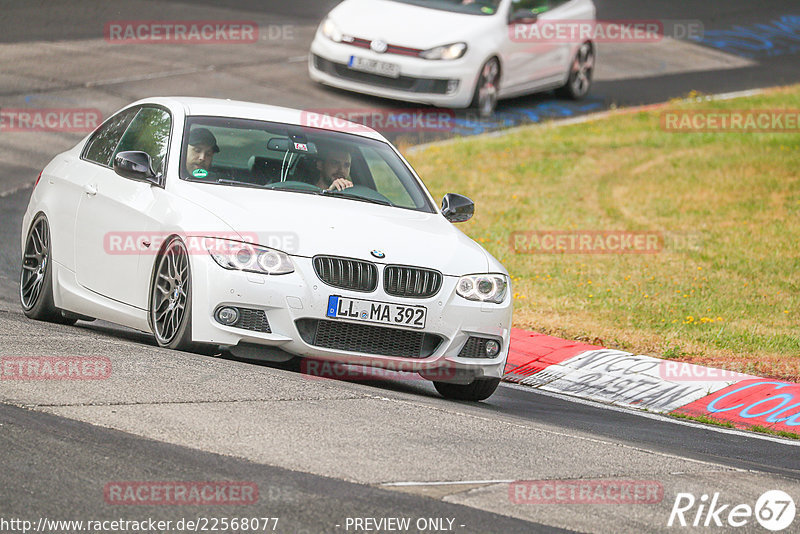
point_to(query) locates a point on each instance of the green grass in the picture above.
(727, 424)
(726, 288)
(703, 419)
(781, 433)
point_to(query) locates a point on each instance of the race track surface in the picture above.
(321, 451)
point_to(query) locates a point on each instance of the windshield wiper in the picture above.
(342, 194)
(230, 181)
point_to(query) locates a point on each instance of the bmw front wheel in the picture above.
(477, 390)
(171, 299)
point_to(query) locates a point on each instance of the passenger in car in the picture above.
(334, 169)
(200, 151)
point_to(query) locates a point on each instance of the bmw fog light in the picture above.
(227, 315)
(452, 86)
(492, 348)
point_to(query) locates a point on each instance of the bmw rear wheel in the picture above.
(36, 278)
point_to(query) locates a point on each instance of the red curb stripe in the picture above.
(770, 403)
(531, 352)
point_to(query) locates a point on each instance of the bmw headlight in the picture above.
(238, 256)
(330, 30)
(483, 287)
(451, 51)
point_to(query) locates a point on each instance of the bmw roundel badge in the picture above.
(378, 254)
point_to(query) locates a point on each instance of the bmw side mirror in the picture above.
(136, 165)
(522, 16)
(457, 208)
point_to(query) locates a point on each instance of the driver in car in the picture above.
(334, 169)
(200, 152)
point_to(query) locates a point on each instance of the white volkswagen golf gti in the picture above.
(217, 224)
(456, 53)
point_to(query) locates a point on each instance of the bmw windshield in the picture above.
(274, 156)
(473, 7)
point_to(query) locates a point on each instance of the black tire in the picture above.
(581, 70)
(484, 99)
(477, 390)
(171, 300)
(36, 276)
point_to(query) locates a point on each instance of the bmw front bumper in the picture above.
(289, 312)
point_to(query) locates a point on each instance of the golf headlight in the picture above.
(330, 30)
(451, 51)
(238, 256)
(483, 287)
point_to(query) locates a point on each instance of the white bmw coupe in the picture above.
(217, 224)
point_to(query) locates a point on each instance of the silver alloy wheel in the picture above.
(170, 291)
(582, 69)
(487, 88)
(34, 264)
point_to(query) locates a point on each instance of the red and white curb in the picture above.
(624, 379)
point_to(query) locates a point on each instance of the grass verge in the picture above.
(727, 424)
(724, 290)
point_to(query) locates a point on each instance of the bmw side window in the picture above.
(148, 132)
(101, 146)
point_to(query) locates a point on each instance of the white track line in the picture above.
(448, 483)
(15, 190)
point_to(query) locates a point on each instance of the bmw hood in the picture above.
(309, 225)
(405, 24)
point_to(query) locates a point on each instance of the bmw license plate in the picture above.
(370, 311)
(381, 68)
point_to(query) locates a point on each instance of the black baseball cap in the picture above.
(203, 136)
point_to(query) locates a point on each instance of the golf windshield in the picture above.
(473, 7)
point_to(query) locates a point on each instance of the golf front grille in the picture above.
(367, 339)
(412, 282)
(412, 84)
(346, 273)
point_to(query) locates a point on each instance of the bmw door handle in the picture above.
(90, 189)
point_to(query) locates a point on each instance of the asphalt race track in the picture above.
(324, 452)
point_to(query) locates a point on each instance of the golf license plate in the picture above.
(370, 311)
(373, 66)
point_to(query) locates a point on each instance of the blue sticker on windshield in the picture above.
(333, 303)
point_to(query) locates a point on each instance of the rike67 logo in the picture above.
(774, 510)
